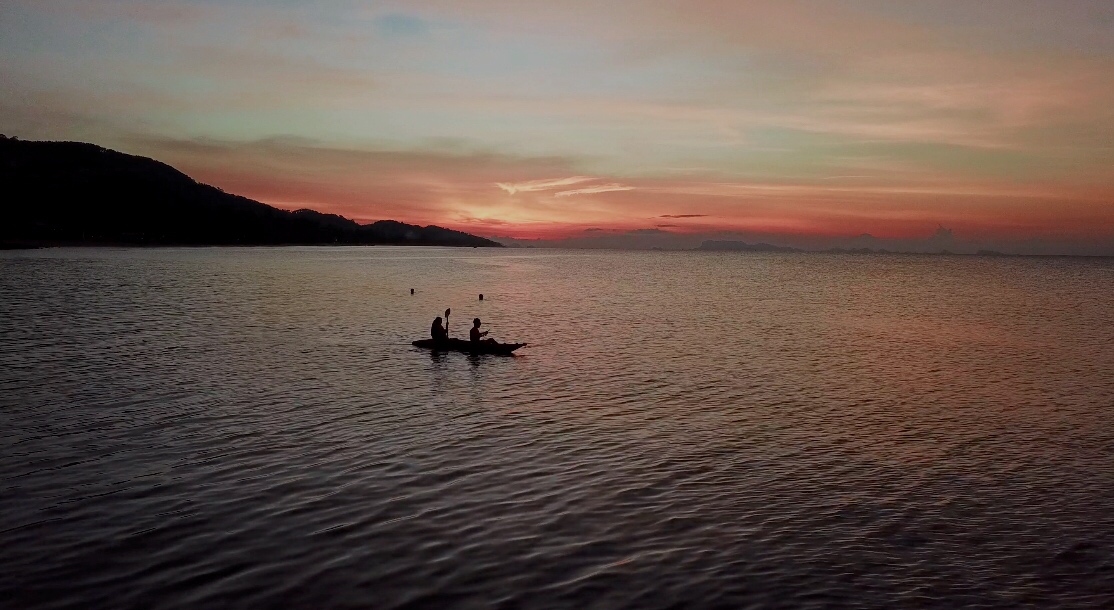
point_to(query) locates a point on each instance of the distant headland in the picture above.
(74, 193)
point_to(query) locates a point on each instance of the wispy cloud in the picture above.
(542, 185)
(557, 183)
(588, 190)
(682, 216)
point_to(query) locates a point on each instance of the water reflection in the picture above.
(871, 431)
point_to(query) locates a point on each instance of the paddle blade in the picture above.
(447, 312)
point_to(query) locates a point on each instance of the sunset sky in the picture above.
(547, 119)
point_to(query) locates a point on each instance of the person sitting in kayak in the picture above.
(475, 334)
(438, 332)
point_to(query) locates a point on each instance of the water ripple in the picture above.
(251, 428)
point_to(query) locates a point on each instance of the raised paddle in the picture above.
(447, 311)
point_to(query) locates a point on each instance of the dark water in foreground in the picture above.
(250, 428)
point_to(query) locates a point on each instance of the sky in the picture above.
(529, 119)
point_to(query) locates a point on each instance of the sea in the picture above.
(252, 428)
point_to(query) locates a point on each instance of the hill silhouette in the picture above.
(79, 193)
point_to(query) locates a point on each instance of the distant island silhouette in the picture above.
(75, 193)
(742, 246)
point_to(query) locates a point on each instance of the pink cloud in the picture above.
(592, 190)
(541, 185)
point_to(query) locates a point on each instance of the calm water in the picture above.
(250, 428)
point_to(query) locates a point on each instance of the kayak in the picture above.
(460, 345)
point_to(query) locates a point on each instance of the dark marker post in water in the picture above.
(481, 296)
(411, 291)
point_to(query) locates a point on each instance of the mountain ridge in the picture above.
(77, 193)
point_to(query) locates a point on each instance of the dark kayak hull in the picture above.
(460, 345)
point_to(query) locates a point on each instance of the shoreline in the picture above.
(23, 246)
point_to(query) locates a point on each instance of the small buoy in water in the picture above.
(481, 297)
(411, 291)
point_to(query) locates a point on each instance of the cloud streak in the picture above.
(532, 186)
(592, 190)
(541, 185)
